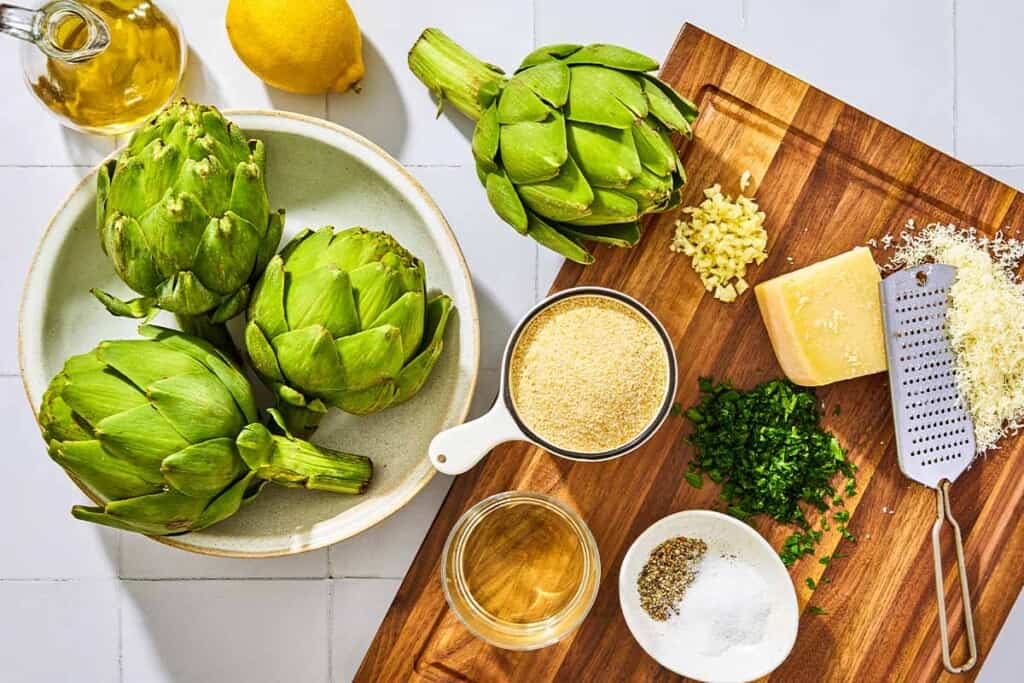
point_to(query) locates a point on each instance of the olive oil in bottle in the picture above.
(126, 83)
(522, 572)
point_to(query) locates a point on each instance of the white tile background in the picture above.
(81, 603)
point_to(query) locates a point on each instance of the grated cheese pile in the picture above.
(723, 237)
(985, 321)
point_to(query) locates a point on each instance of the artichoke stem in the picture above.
(215, 333)
(450, 72)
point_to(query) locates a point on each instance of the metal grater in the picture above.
(934, 432)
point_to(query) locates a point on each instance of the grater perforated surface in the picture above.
(934, 432)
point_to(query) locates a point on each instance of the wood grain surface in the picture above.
(829, 178)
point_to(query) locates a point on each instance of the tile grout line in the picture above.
(330, 630)
(955, 93)
(120, 633)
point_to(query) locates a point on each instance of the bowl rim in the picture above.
(414, 186)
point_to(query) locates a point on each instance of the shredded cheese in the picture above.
(985, 321)
(722, 237)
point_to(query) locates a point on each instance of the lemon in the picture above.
(302, 47)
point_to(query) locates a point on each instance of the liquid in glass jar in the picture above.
(126, 83)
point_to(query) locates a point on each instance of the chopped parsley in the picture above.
(677, 409)
(810, 583)
(813, 609)
(766, 448)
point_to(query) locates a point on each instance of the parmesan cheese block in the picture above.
(825, 320)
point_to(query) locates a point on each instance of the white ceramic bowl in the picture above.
(671, 643)
(322, 174)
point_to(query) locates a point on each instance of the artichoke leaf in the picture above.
(125, 242)
(306, 251)
(203, 469)
(106, 476)
(566, 197)
(261, 353)
(226, 254)
(58, 421)
(609, 206)
(649, 190)
(96, 515)
(368, 400)
(355, 247)
(266, 307)
(95, 392)
(485, 139)
(173, 228)
(549, 81)
(621, 235)
(613, 57)
(547, 53)
(370, 357)
(248, 198)
(518, 103)
(376, 286)
(407, 314)
(534, 151)
(228, 502)
(184, 294)
(209, 180)
(214, 360)
(142, 434)
(414, 375)
(687, 108)
(322, 296)
(143, 362)
(226, 310)
(568, 247)
(309, 359)
(139, 180)
(158, 514)
(198, 406)
(271, 240)
(663, 108)
(103, 175)
(606, 156)
(654, 147)
(141, 307)
(502, 195)
(301, 419)
(605, 97)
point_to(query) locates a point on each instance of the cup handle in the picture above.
(456, 450)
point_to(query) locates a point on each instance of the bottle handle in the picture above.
(456, 450)
(41, 27)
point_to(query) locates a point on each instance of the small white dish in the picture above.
(323, 174)
(681, 644)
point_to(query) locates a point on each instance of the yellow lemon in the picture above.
(302, 47)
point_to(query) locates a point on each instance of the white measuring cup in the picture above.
(456, 450)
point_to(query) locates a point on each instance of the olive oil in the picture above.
(521, 570)
(523, 563)
(132, 79)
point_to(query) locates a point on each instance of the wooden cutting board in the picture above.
(829, 178)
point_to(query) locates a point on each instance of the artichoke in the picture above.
(575, 146)
(183, 216)
(343, 319)
(162, 432)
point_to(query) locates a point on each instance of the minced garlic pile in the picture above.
(723, 237)
(985, 321)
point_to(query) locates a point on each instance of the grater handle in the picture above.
(945, 514)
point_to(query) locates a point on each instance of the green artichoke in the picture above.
(343, 319)
(184, 216)
(162, 432)
(575, 146)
